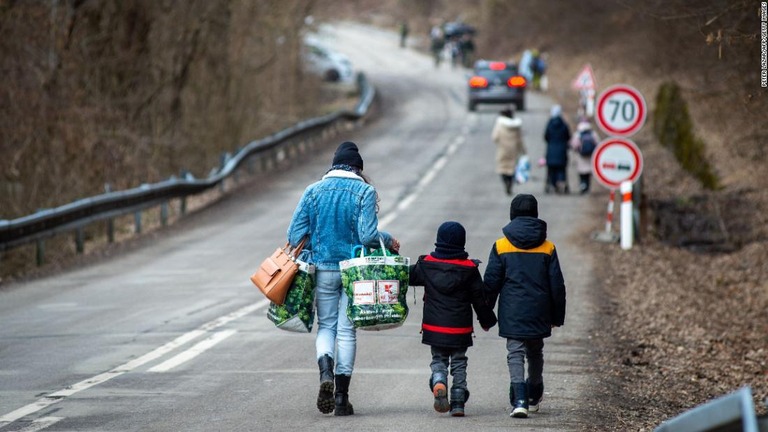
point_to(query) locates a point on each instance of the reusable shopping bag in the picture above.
(376, 282)
(297, 313)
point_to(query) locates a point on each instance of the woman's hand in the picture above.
(395, 247)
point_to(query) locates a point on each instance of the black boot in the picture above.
(343, 407)
(438, 383)
(507, 180)
(458, 398)
(518, 398)
(325, 401)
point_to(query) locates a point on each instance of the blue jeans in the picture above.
(336, 336)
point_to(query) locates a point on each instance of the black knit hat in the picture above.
(451, 238)
(347, 154)
(524, 205)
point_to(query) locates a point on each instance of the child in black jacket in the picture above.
(452, 287)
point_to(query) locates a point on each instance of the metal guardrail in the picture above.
(78, 214)
(731, 413)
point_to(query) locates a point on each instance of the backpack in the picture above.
(588, 143)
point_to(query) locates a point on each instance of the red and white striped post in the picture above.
(627, 228)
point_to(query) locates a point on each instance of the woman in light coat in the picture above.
(507, 134)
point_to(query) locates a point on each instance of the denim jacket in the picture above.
(338, 213)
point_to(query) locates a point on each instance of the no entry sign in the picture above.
(621, 110)
(616, 160)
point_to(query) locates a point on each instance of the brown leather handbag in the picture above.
(275, 274)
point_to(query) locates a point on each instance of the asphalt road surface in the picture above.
(173, 336)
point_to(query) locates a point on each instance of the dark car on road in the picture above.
(496, 82)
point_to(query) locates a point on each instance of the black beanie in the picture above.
(347, 154)
(524, 205)
(451, 238)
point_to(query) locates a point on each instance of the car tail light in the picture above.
(497, 66)
(516, 81)
(478, 82)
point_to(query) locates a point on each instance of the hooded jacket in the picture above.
(524, 273)
(557, 135)
(451, 289)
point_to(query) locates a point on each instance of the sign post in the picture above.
(585, 84)
(616, 161)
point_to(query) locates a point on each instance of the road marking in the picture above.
(40, 424)
(54, 397)
(425, 180)
(193, 352)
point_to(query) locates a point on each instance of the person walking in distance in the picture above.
(584, 142)
(452, 288)
(524, 274)
(508, 137)
(337, 213)
(557, 135)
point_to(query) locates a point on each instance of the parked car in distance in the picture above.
(329, 64)
(496, 82)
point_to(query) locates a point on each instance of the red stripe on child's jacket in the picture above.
(461, 262)
(447, 330)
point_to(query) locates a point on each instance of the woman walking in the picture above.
(508, 137)
(337, 213)
(557, 136)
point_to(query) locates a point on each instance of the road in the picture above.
(172, 336)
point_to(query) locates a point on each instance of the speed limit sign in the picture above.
(621, 110)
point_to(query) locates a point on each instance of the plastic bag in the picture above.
(523, 169)
(297, 313)
(376, 284)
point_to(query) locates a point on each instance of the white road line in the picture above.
(193, 352)
(425, 180)
(129, 366)
(40, 424)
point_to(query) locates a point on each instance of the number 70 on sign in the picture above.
(621, 110)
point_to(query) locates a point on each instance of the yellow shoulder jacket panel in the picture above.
(504, 246)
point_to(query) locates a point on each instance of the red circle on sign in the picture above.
(617, 160)
(636, 123)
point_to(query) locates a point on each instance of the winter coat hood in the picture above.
(525, 232)
(509, 123)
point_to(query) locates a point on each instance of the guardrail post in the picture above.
(110, 221)
(40, 253)
(164, 214)
(249, 165)
(137, 221)
(79, 240)
(183, 199)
